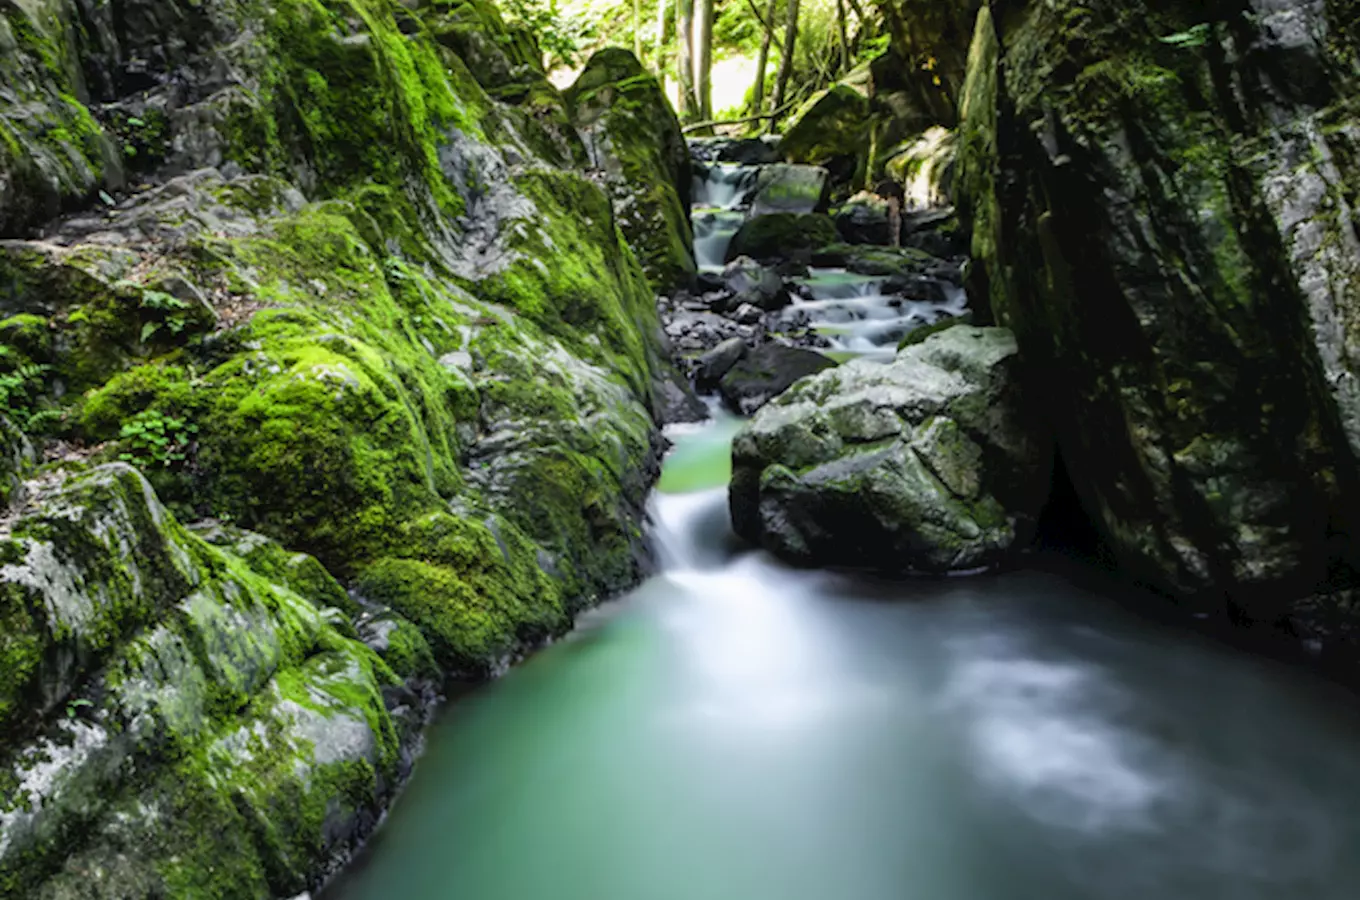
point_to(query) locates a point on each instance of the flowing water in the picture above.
(736, 730)
(858, 319)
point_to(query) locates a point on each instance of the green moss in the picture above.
(782, 236)
(476, 593)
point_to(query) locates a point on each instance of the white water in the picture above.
(852, 312)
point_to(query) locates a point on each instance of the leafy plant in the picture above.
(20, 389)
(172, 313)
(154, 439)
(75, 705)
(1190, 38)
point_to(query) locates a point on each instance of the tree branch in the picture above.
(760, 118)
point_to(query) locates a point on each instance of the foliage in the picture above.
(560, 37)
(20, 390)
(1197, 36)
(152, 438)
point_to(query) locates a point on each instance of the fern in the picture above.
(1190, 38)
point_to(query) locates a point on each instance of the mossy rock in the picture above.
(832, 131)
(782, 236)
(632, 135)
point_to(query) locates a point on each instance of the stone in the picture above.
(782, 236)
(766, 372)
(784, 188)
(632, 135)
(710, 368)
(743, 151)
(831, 131)
(928, 464)
(863, 219)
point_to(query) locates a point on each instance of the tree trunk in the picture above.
(766, 26)
(661, 9)
(781, 81)
(703, 56)
(845, 40)
(637, 29)
(684, 63)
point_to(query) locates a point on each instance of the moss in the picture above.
(476, 593)
(783, 236)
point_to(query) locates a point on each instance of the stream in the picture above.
(738, 730)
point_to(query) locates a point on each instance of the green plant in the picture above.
(153, 439)
(169, 311)
(20, 389)
(1197, 36)
(75, 705)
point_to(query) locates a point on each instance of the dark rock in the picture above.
(929, 463)
(864, 221)
(832, 131)
(633, 137)
(1180, 266)
(676, 402)
(782, 236)
(708, 282)
(710, 368)
(744, 151)
(899, 262)
(766, 372)
(747, 314)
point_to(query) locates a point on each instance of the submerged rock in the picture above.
(929, 463)
(1162, 208)
(766, 372)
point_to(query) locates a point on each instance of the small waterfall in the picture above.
(722, 194)
(713, 233)
(855, 315)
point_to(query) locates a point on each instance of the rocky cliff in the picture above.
(1162, 201)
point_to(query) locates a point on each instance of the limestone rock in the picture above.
(929, 463)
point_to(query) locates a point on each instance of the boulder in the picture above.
(749, 282)
(831, 131)
(790, 189)
(1162, 208)
(632, 135)
(863, 219)
(766, 372)
(782, 236)
(710, 367)
(930, 463)
(15, 454)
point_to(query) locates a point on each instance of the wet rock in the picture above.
(632, 135)
(15, 455)
(864, 220)
(784, 188)
(676, 402)
(831, 131)
(750, 282)
(896, 262)
(783, 236)
(766, 372)
(929, 463)
(710, 368)
(1181, 271)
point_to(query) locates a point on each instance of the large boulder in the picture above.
(831, 131)
(782, 236)
(930, 463)
(1162, 207)
(632, 135)
(185, 715)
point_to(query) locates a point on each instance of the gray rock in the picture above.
(766, 372)
(928, 464)
(791, 189)
(710, 368)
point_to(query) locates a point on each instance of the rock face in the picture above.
(367, 300)
(632, 134)
(790, 189)
(1162, 207)
(167, 699)
(928, 464)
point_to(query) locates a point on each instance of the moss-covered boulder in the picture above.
(786, 188)
(1162, 208)
(15, 454)
(929, 463)
(782, 236)
(632, 136)
(366, 309)
(769, 370)
(174, 722)
(832, 131)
